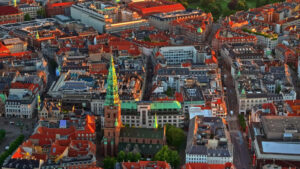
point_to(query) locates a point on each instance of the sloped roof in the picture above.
(142, 133)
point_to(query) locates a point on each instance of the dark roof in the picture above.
(8, 10)
(142, 133)
(195, 149)
(22, 164)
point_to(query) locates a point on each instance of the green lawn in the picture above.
(251, 3)
(223, 4)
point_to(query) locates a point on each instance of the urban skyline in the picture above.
(156, 84)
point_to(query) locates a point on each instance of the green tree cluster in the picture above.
(242, 122)
(237, 5)
(166, 154)
(27, 17)
(41, 13)
(175, 136)
(13, 146)
(2, 135)
(132, 157)
(109, 162)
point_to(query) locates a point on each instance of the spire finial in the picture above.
(155, 125)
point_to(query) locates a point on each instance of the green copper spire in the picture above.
(243, 92)
(239, 73)
(112, 94)
(37, 36)
(155, 125)
(116, 123)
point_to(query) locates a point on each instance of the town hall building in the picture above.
(146, 141)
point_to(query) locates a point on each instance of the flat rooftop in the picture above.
(275, 127)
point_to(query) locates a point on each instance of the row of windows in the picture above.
(87, 135)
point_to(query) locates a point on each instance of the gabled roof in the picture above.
(142, 133)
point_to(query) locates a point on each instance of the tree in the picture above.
(2, 134)
(267, 2)
(41, 13)
(232, 5)
(12, 147)
(257, 3)
(136, 157)
(242, 122)
(175, 136)
(130, 156)
(27, 17)
(109, 162)
(121, 156)
(165, 154)
(147, 39)
(216, 10)
(278, 89)
(169, 92)
(241, 5)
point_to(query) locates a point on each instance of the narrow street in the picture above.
(148, 79)
(241, 157)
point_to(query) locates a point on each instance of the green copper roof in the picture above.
(128, 105)
(199, 30)
(243, 91)
(3, 98)
(165, 105)
(112, 94)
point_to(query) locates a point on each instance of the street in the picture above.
(241, 158)
(148, 79)
(20, 126)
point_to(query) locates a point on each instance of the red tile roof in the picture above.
(295, 107)
(145, 164)
(146, 8)
(4, 51)
(206, 166)
(8, 10)
(62, 4)
(29, 86)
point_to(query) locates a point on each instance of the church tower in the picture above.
(112, 113)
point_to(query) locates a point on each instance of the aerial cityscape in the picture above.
(150, 84)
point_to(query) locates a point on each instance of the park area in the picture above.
(224, 7)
